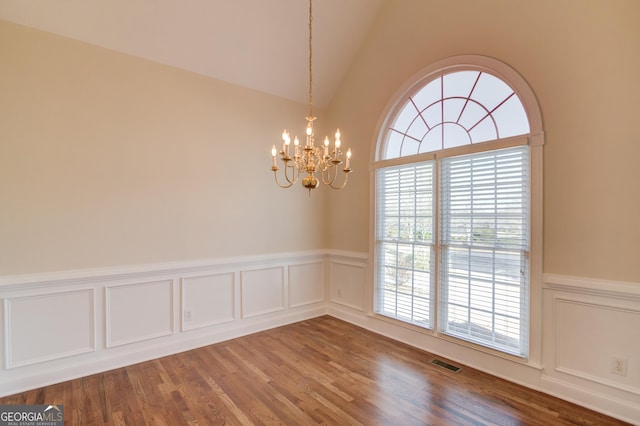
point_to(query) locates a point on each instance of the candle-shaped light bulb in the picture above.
(326, 146)
(309, 129)
(296, 142)
(346, 166)
(336, 151)
(287, 141)
(273, 155)
(337, 134)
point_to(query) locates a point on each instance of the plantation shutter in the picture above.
(484, 247)
(405, 242)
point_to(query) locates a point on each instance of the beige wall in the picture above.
(109, 160)
(581, 59)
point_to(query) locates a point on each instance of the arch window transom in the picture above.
(456, 109)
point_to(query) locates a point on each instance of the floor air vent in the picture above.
(446, 365)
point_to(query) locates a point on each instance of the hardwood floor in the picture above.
(320, 371)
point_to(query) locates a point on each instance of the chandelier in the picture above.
(310, 159)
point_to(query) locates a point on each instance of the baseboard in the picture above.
(601, 402)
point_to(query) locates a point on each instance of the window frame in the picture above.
(534, 139)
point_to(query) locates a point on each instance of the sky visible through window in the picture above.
(456, 109)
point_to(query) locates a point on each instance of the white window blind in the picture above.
(484, 246)
(405, 242)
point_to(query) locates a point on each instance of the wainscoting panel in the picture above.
(46, 327)
(591, 352)
(207, 300)
(139, 311)
(306, 284)
(262, 291)
(589, 337)
(348, 283)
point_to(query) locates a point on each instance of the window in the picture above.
(453, 210)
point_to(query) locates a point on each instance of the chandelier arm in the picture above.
(293, 178)
(346, 179)
(275, 175)
(326, 175)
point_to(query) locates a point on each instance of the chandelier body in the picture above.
(310, 159)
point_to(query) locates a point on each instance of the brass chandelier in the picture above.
(308, 159)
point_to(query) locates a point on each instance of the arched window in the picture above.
(453, 185)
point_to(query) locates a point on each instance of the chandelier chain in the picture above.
(310, 60)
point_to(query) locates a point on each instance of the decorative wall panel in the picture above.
(348, 284)
(46, 327)
(262, 291)
(590, 326)
(139, 311)
(207, 300)
(306, 284)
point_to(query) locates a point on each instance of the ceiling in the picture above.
(259, 44)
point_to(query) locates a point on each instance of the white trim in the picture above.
(594, 400)
(597, 287)
(9, 282)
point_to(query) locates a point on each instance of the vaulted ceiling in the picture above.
(259, 44)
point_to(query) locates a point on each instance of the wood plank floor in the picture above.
(320, 371)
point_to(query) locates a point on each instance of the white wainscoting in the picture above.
(262, 291)
(587, 324)
(54, 331)
(138, 311)
(207, 299)
(64, 325)
(306, 284)
(347, 278)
